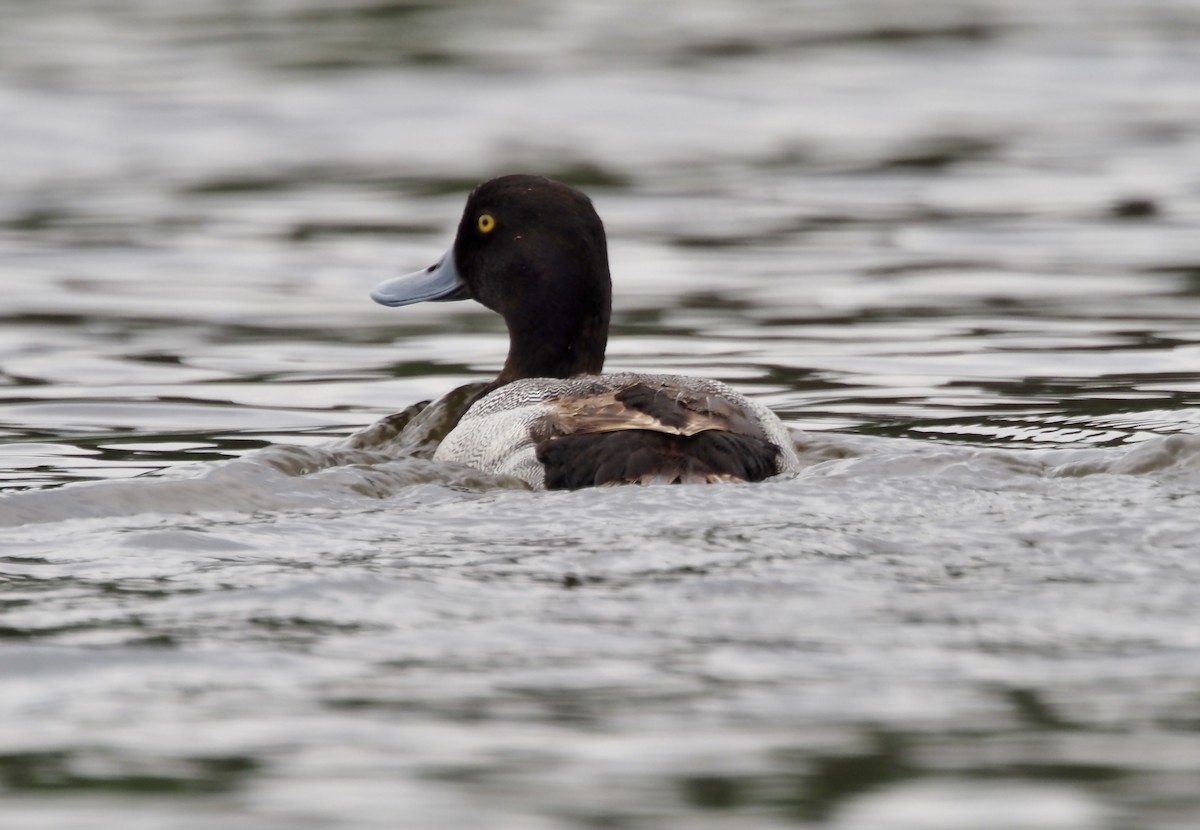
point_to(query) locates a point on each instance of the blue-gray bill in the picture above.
(437, 283)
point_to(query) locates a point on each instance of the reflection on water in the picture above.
(954, 245)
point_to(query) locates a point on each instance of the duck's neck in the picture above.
(556, 348)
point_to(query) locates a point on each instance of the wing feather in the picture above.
(656, 408)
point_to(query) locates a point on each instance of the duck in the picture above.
(534, 251)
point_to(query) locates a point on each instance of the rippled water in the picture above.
(955, 245)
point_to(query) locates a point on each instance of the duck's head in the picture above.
(532, 250)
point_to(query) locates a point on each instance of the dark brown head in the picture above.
(532, 250)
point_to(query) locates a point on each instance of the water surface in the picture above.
(954, 246)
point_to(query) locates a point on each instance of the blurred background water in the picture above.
(954, 244)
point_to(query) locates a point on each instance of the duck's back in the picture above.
(620, 429)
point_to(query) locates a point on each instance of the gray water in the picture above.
(955, 245)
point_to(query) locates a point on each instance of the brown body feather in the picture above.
(642, 434)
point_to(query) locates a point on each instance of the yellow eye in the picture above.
(486, 223)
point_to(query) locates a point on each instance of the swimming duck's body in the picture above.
(619, 429)
(534, 250)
